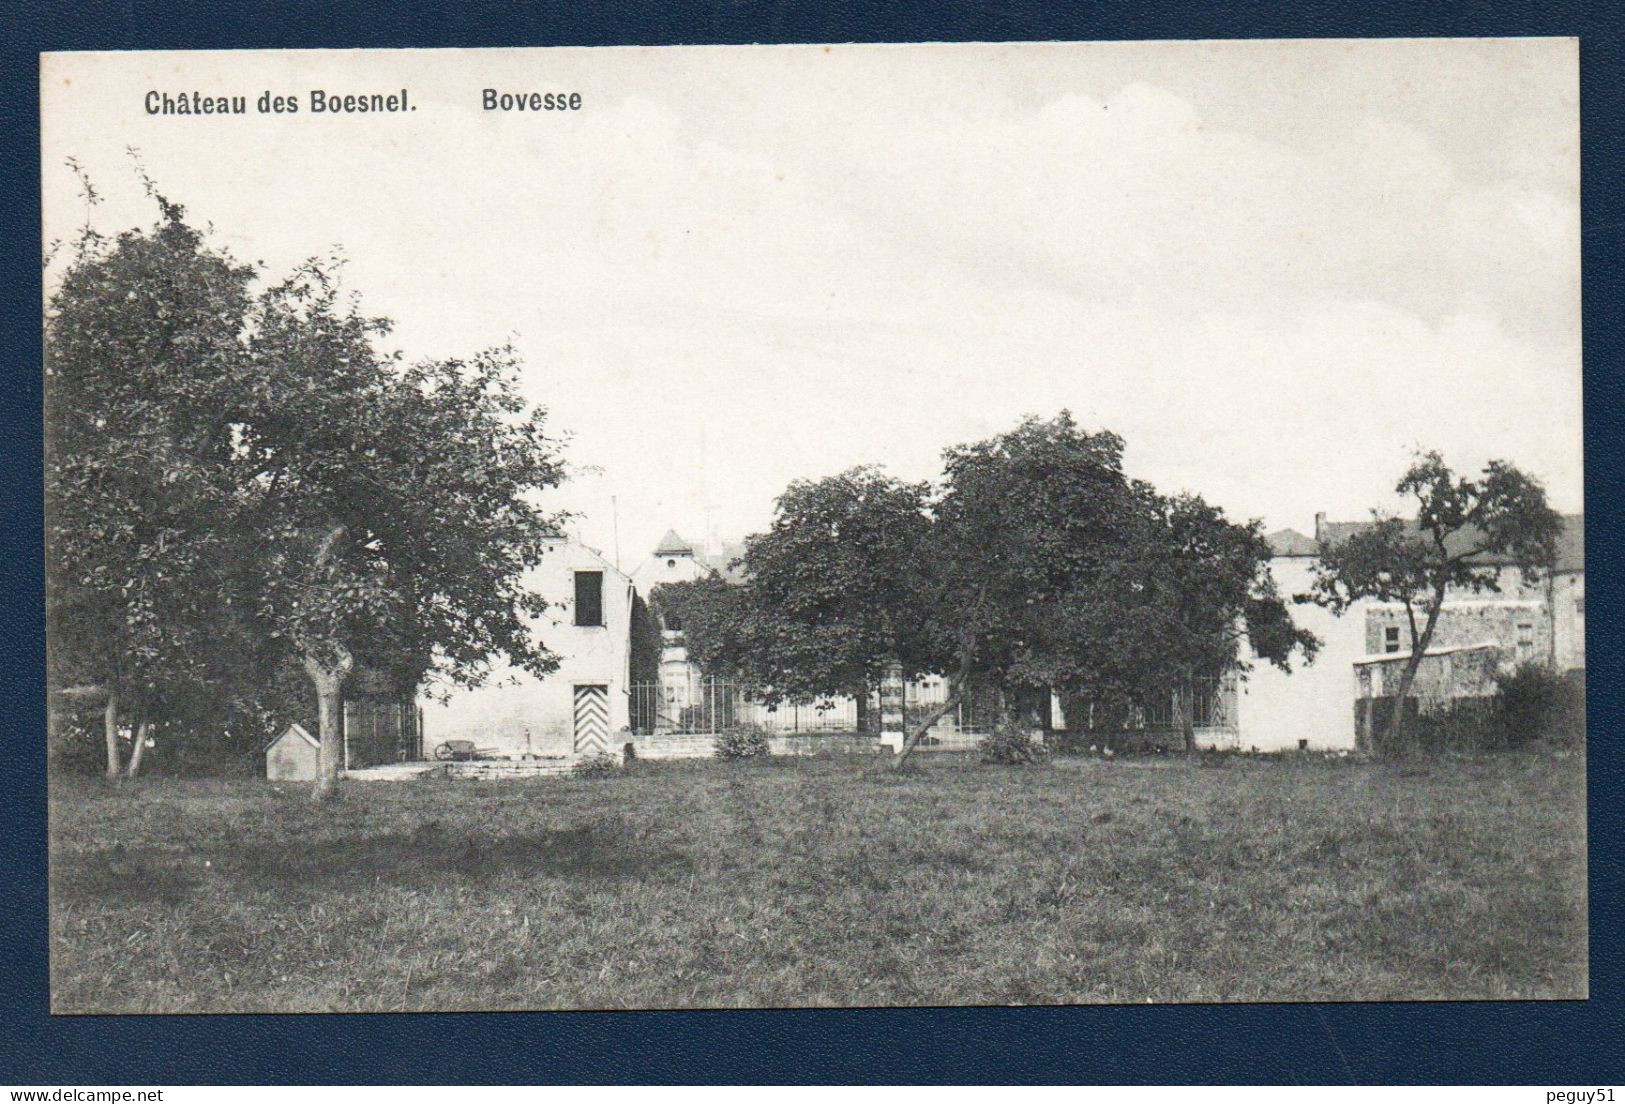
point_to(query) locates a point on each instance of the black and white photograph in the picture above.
(824, 526)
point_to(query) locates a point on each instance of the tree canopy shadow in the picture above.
(430, 854)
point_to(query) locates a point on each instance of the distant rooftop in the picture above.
(671, 544)
(1289, 542)
(723, 562)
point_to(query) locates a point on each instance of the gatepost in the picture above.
(891, 708)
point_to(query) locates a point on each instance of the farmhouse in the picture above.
(1478, 633)
(580, 708)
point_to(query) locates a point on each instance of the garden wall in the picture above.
(702, 746)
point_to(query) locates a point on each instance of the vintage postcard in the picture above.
(780, 526)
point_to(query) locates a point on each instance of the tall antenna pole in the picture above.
(705, 486)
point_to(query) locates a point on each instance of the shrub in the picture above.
(1466, 724)
(1530, 703)
(1534, 702)
(597, 766)
(746, 741)
(1010, 744)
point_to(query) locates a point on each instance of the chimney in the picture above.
(1320, 523)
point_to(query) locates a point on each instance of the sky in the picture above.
(1275, 268)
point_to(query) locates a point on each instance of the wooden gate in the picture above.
(592, 720)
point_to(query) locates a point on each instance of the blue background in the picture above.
(1557, 1044)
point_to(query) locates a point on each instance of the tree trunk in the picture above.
(931, 718)
(1187, 710)
(1419, 647)
(329, 682)
(110, 726)
(142, 731)
(956, 693)
(860, 695)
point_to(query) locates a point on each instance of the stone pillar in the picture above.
(892, 732)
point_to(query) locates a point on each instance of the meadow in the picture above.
(829, 881)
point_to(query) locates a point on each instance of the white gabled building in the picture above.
(580, 708)
(676, 560)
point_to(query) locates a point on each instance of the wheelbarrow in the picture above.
(456, 750)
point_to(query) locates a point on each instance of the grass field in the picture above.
(829, 882)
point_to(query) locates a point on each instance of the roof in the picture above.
(671, 544)
(298, 730)
(1447, 649)
(1290, 542)
(1571, 540)
(570, 540)
(723, 562)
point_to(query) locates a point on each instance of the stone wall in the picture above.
(1440, 679)
(1521, 628)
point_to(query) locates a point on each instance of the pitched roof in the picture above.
(1290, 542)
(297, 731)
(572, 541)
(724, 561)
(671, 543)
(1571, 541)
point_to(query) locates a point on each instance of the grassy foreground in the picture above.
(828, 882)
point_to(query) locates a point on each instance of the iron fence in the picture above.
(707, 705)
(1212, 706)
(703, 705)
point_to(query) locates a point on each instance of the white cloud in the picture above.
(1270, 272)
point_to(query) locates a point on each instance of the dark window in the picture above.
(1390, 638)
(589, 598)
(673, 622)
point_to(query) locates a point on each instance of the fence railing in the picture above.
(714, 704)
(1212, 705)
(708, 704)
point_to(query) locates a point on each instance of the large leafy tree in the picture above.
(1462, 532)
(1028, 583)
(394, 508)
(142, 340)
(1038, 566)
(1205, 588)
(832, 594)
(236, 482)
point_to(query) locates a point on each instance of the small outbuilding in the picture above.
(291, 757)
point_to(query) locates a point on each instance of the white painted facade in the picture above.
(674, 561)
(516, 714)
(1315, 702)
(1543, 621)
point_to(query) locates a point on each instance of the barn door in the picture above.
(592, 720)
